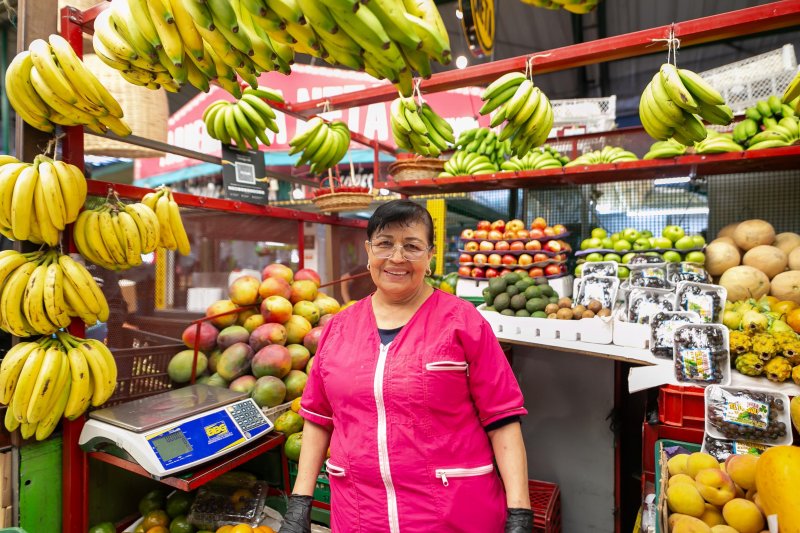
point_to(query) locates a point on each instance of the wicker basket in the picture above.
(334, 201)
(419, 168)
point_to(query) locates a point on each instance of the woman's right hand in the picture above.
(298, 515)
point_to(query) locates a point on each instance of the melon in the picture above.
(786, 286)
(721, 256)
(768, 259)
(727, 231)
(778, 484)
(787, 241)
(743, 282)
(728, 240)
(752, 233)
(794, 259)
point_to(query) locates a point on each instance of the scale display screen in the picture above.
(171, 445)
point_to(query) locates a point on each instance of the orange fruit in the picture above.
(155, 518)
(241, 528)
(793, 319)
(158, 529)
(784, 307)
(295, 407)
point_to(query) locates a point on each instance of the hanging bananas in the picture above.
(323, 144)
(245, 121)
(671, 103)
(38, 200)
(609, 154)
(171, 232)
(483, 141)
(533, 160)
(792, 92)
(467, 164)
(43, 380)
(665, 150)
(48, 84)
(523, 107)
(418, 129)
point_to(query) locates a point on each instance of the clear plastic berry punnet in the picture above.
(702, 356)
(755, 415)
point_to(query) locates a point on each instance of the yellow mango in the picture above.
(778, 484)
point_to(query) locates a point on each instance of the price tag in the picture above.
(240, 174)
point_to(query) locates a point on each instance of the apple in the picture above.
(525, 259)
(495, 235)
(684, 243)
(540, 258)
(646, 233)
(509, 235)
(630, 234)
(536, 272)
(565, 246)
(464, 271)
(523, 234)
(552, 246)
(504, 272)
(480, 259)
(521, 271)
(484, 225)
(560, 229)
(499, 225)
(495, 259)
(661, 243)
(578, 270)
(472, 246)
(615, 237)
(486, 246)
(622, 246)
(536, 233)
(591, 244)
(599, 233)
(509, 259)
(642, 243)
(672, 256)
(627, 258)
(533, 245)
(477, 273)
(468, 234)
(517, 246)
(465, 258)
(673, 233)
(549, 232)
(594, 257)
(607, 244)
(623, 272)
(552, 270)
(698, 241)
(696, 257)
(560, 257)
(491, 273)
(502, 245)
(515, 225)
(612, 257)
(539, 223)
(481, 234)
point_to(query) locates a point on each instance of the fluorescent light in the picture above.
(665, 212)
(459, 14)
(461, 62)
(273, 243)
(672, 181)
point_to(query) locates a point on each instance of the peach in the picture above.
(743, 515)
(690, 524)
(303, 290)
(680, 478)
(277, 270)
(677, 464)
(244, 290)
(275, 287)
(685, 499)
(700, 461)
(751, 494)
(712, 516)
(673, 519)
(276, 309)
(723, 528)
(742, 469)
(222, 306)
(715, 486)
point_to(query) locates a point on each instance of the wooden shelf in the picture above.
(787, 158)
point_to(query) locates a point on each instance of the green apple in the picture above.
(612, 257)
(594, 257)
(599, 233)
(642, 243)
(607, 244)
(578, 270)
(630, 234)
(673, 233)
(622, 246)
(627, 257)
(672, 257)
(623, 272)
(647, 233)
(586, 244)
(696, 257)
(685, 243)
(615, 237)
(654, 254)
(661, 243)
(699, 241)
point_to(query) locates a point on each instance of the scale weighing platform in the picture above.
(178, 429)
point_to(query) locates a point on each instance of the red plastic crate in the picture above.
(681, 406)
(546, 506)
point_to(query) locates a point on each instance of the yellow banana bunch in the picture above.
(38, 200)
(172, 234)
(323, 144)
(48, 84)
(609, 154)
(417, 128)
(245, 121)
(578, 7)
(41, 381)
(42, 291)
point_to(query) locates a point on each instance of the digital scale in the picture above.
(178, 429)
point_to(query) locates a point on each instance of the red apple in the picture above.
(495, 235)
(559, 229)
(552, 246)
(502, 245)
(536, 272)
(477, 273)
(484, 225)
(499, 225)
(509, 259)
(509, 234)
(538, 258)
(472, 246)
(465, 258)
(552, 270)
(517, 246)
(565, 246)
(495, 259)
(479, 259)
(525, 259)
(521, 271)
(482, 234)
(486, 246)
(464, 271)
(533, 245)
(515, 225)
(538, 223)
(535, 233)
(523, 234)
(549, 232)
(504, 272)
(468, 234)
(560, 257)
(491, 273)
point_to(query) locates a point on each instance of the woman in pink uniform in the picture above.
(416, 400)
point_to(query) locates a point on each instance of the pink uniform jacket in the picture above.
(409, 452)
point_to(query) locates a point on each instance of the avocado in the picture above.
(518, 302)
(507, 312)
(539, 314)
(497, 286)
(488, 297)
(533, 292)
(536, 304)
(553, 299)
(547, 291)
(501, 302)
(511, 278)
(523, 313)
(523, 284)
(512, 290)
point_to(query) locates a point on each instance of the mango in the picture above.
(244, 290)
(272, 360)
(180, 366)
(235, 361)
(269, 333)
(684, 498)
(243, 384)
(300, 355)
(743, 516)
(742, 469)
(307, 310)
(308, 274)
(231, 335)
(297, 327)
(778, 483)
(295, 383)
(700, 461)
(215, 380)
(218, 308)
(205, 340)
(278, 270)
(269, 391)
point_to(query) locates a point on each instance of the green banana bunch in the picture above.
(533, 160)
(468, 164)
(523, 107)
(785, 132)
(578, 7)
(792, 92)
(245, 121)
(417, 128)
(556, 154)
(484, 141)
(323, 144)
(609, 154)
(665, 150)
(673, 102)
(717, 143)
(763, 115)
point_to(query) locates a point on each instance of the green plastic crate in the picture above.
(660, 444)
(322, 490)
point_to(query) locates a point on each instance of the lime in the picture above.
(180, 524)
(292, 446)
(105, 527)
(179, 503)
(153, 500)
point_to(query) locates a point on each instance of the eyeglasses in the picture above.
(409, 251)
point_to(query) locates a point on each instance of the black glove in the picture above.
(298, 515)
(519, 521)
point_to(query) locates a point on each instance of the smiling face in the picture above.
(397, 277)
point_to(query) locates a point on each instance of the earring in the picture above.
(367, 266)
(428, 271)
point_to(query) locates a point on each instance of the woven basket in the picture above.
(146, 112)
(334, 202)
(419, 168)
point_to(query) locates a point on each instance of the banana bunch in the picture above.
(171, 233)
(764, 115)
(323, 144)
(609, 154)
(389, 39)
(114, 236)
(245, 121)
(483, 141)
(48, 84)
(671, 102)
(665, 150)
(42, 291)
(38, 200)
(579, 7)
(468, 164)
(41, 381)
(525, 109)
(417, 128)
(533, 160)
(556, 154)
(717, 143)
(792, 93)
(784, 133)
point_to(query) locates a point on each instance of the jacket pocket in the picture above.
(445, 474)
(448, 366)
(446, 395)
(333, 470)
